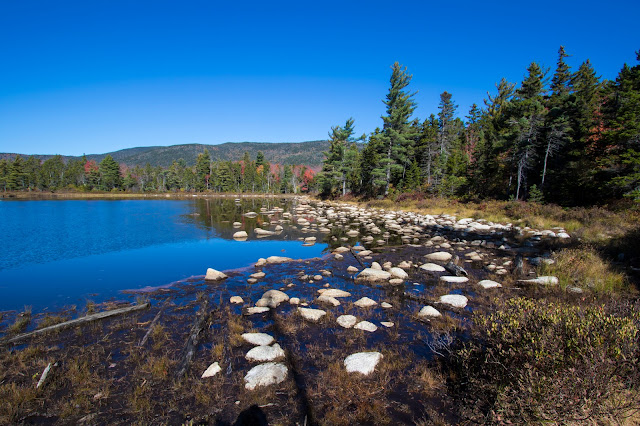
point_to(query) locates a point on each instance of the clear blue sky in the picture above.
(95, 76)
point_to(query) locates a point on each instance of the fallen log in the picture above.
(81, 320)
(192, 342)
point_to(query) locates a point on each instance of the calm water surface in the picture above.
(56, 253)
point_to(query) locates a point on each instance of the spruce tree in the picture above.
(203, 170)
(397, 137)
(109, 173)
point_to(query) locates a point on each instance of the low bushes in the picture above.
(537, 361)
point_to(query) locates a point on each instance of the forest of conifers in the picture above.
(567, 137)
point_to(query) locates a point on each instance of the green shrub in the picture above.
(536, 361)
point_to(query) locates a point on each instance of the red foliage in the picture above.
(90, 166)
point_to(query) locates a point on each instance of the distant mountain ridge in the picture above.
(307, 153)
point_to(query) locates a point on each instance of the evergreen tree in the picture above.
(203, 171)
(109, 173)
(623, 131)
(397, 137)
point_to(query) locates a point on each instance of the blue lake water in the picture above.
(58, 253)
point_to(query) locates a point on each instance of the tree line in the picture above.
(570, 138)
(248, 175)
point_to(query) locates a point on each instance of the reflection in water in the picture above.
(59, 252)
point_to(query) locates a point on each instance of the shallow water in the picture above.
(56, 253)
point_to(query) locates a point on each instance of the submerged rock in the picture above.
(267, 374)
(214, 275)
(362, 362)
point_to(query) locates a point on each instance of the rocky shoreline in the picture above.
(347, 338)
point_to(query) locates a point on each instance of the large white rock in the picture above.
(240, 235)
(489, 284)
(352, 269)
(236, 299)
(346, 321)
(272, 298)
(258, 275)
(341, 250)
(455, 300)
(263, 232)
(265, 353)
(546, 280)
(258, 339)
(364, 253)
(399, 273)
(362, 362)
(267, 374)
(439, 256)
(278, 259)
(451, 279)
(366, 326)
(376, 266)
(369, 274)
(386, 305)
(214, 275)
(429, 312)
(212, 370)
(334, 292)
(432, 267)
(311, 314)
(365, 302)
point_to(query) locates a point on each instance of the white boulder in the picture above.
(362, 362)
(267, 374)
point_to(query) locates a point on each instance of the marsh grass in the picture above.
(584, 268)
(21, 322)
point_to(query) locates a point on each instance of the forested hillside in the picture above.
(309, 153)
(565, 136)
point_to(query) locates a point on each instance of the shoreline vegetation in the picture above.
(522, 353)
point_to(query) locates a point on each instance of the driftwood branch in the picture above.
(356, 257)
(155, 320)
(192, 342)
(45, 375)
(77, 321)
